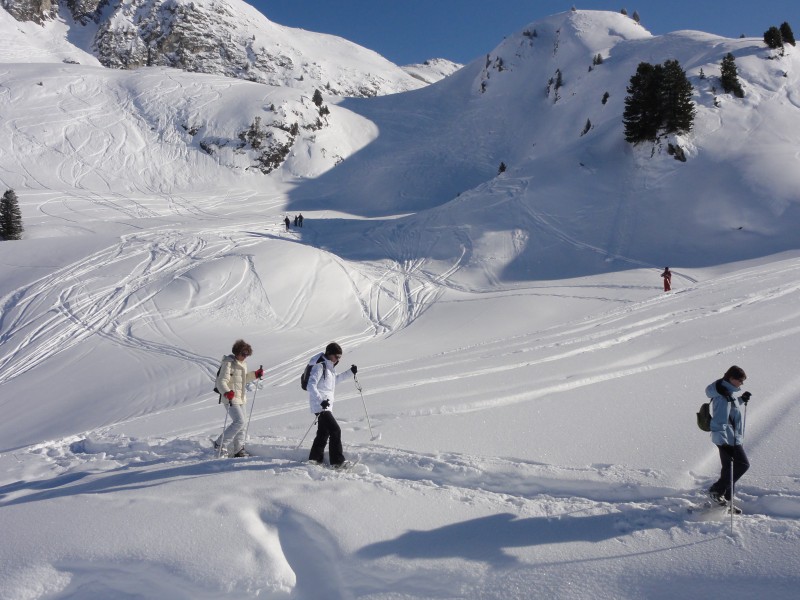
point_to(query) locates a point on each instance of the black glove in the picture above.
(746, 397)
(354, 369)
(324, 404)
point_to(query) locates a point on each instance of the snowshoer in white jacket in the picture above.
(321, 390)
(231, 382)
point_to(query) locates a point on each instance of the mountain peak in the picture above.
(221, 37)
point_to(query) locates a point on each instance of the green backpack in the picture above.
(704, 416)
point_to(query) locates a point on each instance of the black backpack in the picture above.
(307, 372)
(216, 391)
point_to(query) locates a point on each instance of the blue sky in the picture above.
(411, 31)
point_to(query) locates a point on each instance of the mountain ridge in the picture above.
(219, 37)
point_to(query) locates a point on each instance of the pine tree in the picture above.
(317, 98)
(773, 38)
(254, 134)
(641, 116)
(677, 108)
(659, 98)
(729, 76)
(10, 217)
(787, 34)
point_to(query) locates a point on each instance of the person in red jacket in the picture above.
(667, 275)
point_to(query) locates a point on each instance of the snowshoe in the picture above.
(220, 450)
(717, 499)
(346, 465)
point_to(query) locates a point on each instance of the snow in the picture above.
(432, 70)
(530, 389)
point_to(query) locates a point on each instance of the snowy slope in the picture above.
(530, 390)
(232, 38)
(442, 146)
(28, 42)
(432, 70)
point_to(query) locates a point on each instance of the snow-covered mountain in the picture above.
(219, 37)
(526, 413)
(627, 205)
(588, 193)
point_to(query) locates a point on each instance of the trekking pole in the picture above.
(732, 484)
(222, 439)
(358, 387)
(307, 430)
(252, 406)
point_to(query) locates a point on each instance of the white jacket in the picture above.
(233, 375)
(322, 383)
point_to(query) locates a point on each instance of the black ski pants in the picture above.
(327, 429)
(728, 454)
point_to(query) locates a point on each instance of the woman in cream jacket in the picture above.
(232, 380)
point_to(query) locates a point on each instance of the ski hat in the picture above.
(333, 348)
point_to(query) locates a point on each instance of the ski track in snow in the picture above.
(606, 501)
(63, 309)
(619, 326)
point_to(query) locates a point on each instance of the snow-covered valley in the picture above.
(526, 427)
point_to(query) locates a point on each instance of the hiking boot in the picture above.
(734, 509)
(717, 498)
(343, 465)
(220, 449)
(242, 454)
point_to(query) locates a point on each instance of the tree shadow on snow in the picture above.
(486, 539)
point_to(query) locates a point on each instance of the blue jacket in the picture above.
(727, 425)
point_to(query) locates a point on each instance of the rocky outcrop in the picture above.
(31, 10)
(222, 37)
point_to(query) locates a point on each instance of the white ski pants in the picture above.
(233, 436)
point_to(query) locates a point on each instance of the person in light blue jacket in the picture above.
(727, 431)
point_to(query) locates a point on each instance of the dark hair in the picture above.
(333, 348)
(735, 373)
(241, 347)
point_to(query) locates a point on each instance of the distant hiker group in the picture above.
(298, 221)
